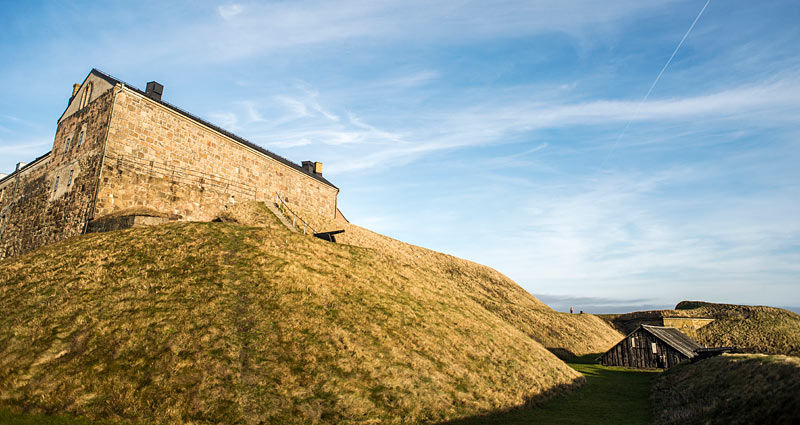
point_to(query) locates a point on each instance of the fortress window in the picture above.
(55, 187)
(80, 140)
(87, 94)
(66, 147)
(69, 181)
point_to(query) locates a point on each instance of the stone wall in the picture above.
(157, 158)
(37, 211)
(124, 222)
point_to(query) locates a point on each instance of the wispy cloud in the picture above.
(622, 232)
(227, 120)
(285, 25)
(252, 112)
(505, 120)
(229, 11)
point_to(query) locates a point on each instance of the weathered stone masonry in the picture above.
(38, 212)
(130, 152)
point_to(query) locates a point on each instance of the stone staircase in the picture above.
(272, 207)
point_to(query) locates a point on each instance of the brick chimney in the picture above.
(154, 91)
(75, 88)
(312, 167)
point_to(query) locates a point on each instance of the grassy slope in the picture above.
(755, 328)
(565, 334)
(611, 396)
(224, 323)
(730, 389)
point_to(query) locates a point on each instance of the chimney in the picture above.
(154, 91)
(312, 167)
(75, 88)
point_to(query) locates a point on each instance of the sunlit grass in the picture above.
(244, 321)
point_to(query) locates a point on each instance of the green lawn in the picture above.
(613, 396)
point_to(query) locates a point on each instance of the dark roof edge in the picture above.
(26, 166)
(689, 352)
(113, 81)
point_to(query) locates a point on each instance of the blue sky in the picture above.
(510, 133)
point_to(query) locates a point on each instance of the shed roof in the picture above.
(113, 81)
(674, 338)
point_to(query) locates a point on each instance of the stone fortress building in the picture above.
(120, 151)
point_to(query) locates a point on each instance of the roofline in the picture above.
(26, 166)
(114, 81)
(648, 327)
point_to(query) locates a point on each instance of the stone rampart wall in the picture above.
(159, 159)
(37, 211)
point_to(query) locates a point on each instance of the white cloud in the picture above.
(274, 26)
(641, 235)
(297, 108)
(226, 120)
(505, 119)
(229, 11)
(294, 143)
(253, 114)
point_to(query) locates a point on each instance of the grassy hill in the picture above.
(730, 389)
(567, 335)
(759, 329)
(248, 323)
(753, 328)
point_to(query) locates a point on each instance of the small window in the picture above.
(66, 147)
(87, 95)
(55, 187)
(80, 140)
(69, 182)
(633, 343)
(655, 348)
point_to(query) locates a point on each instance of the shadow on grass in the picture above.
(562, 353)
(16, 417)
(610, 396)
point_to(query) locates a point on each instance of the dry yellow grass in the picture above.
(563, 333)
(759, 329)
(249, 323)
(751, 328)
(730, 389)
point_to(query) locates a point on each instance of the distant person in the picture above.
(571, 310)
(581, 311)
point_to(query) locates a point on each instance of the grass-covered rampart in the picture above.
(730, 389)
(232, 323)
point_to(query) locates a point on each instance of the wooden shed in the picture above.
(651, 347)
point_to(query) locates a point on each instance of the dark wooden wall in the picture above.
(640, 354)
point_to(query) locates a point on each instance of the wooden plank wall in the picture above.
(639, 354)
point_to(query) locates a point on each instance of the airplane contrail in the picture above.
(652, 86)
